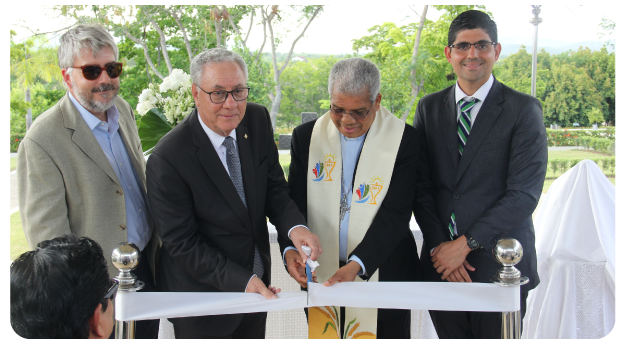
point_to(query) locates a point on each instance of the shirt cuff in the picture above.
(289, 233)
(356, 259)
(249, 282)
(285, 251)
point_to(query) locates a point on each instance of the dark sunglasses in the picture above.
(92, 72)
(112, 290)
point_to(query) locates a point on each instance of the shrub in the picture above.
(611, 164)
(605, 164)
(16, 138)
(573, 162)
(563, 165)
(554, 166)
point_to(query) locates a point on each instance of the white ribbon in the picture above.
(481, 297)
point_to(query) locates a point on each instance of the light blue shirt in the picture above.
(107, 135)
(350, 151)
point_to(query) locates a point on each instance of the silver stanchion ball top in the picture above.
(508, 252)
(125, 256)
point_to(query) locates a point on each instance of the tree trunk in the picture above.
(415, 88)
(218, 33)
(184, 32)
(145, 52)
(29, 113)
(163, 42)
(276, 103)
(278, 72)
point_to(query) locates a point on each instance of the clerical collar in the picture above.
(360, 138)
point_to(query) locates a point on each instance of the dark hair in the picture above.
(472, 19)
(56, 288)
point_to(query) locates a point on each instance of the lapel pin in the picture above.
(245, 136)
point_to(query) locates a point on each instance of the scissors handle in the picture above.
(309, 275)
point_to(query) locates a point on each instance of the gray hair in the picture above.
(91, 36)
(212, 56)
(354, 76)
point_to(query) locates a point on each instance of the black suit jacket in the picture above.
(208, 233)
(388, 245)
(494, 187)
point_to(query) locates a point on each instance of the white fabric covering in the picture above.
(575, 240)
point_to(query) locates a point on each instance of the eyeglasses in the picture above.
(481, 47)
(112, 290)
(356, 115)
(92, 72)
(219, 97)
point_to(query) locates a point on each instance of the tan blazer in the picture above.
(67, 185)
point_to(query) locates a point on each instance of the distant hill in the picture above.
(553, 47)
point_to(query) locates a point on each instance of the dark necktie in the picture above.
(234, 168)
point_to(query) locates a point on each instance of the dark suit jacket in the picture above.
(388, 245)
(494, 187)
(208, 233)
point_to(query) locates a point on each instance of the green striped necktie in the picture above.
(463, 130)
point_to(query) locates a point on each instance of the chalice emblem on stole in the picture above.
(375, 188)
(329, 165)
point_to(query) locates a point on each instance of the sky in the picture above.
(341, 21)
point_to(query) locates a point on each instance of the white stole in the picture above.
(373, 174)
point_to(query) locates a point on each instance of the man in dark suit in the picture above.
(212, 180)
(383, 245)
(484, 148)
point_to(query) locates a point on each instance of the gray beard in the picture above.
(85, 97)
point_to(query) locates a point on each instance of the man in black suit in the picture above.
(353, 130)
(212, 180)
(484, 148)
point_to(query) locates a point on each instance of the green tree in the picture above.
(270, 16)
(595, 115)
(304, 85)
(515, 71)
(393, 49)
(32, 62)
(608, 27)
(569, 95)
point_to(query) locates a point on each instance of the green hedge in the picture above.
(562, 165)
(570, 138)
(16, 138)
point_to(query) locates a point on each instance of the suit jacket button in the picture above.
(122, 227)
(456, 196)
(119, 192)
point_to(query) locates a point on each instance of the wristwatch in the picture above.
(471, 243)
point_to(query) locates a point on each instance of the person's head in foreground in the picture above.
(353, 86)
(62, 290)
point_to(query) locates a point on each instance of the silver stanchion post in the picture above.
(509, 252)
(125, 258)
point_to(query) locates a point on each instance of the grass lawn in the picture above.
(284, 159)
(571, 154)
(13, 164)
(18, 240)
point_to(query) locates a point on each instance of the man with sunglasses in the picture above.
(213, 181)
(80, 166)
(62, 290)
(484, 150)
(352, 175)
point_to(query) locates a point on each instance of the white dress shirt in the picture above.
(480, 94)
